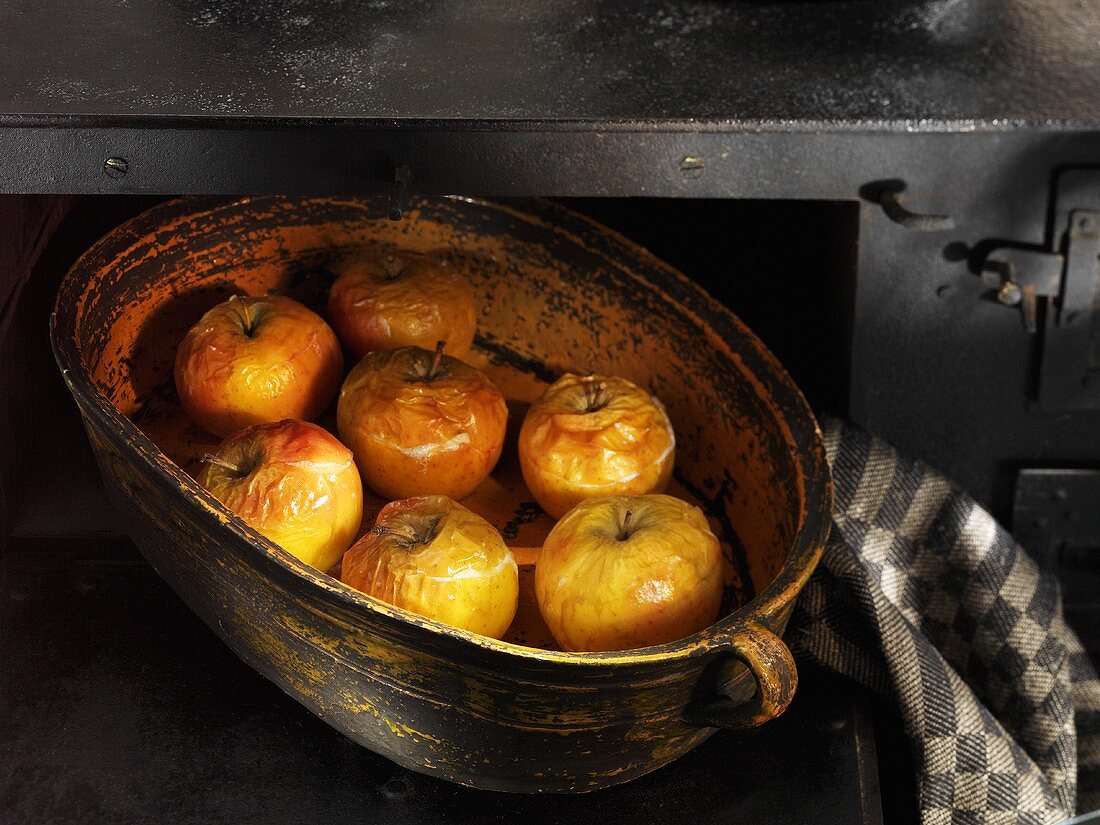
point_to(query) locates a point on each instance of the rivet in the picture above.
(1010, 294)
(116, 167)
(692, 166)
(1086, 224)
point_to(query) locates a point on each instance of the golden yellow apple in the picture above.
(432, 556)
(622, 572)
(594, 435)
(421, 423)
(255, 360)
(386, 301)
(293, 483)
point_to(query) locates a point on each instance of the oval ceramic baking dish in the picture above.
(557, 292)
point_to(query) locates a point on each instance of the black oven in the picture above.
(900, 198)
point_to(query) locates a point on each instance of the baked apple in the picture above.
(292, 482)
(254, 360)
(388, 301)
(421, 423)
(593, 435)
(622, 572)
(432, 556)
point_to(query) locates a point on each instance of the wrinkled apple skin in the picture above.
(255, 360)
(602, 587)
(594, 436)
(432, 556)
(384, 302)
(295, 484)
(415, 436)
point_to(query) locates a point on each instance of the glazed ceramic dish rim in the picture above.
(806, 546)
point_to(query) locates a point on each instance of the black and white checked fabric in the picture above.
(924, 598)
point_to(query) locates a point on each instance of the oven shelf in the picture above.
(126, 708)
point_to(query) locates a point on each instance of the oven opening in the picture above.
(785, 268)
(788, 269)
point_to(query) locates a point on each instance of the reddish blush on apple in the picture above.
(292, 482)
(257, 360)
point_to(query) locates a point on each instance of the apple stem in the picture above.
(250, 317)
(210, 458)
(593, 395)
(393, 268)
(437, 360)
(624, 533)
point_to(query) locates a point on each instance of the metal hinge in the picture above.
(1058, 292)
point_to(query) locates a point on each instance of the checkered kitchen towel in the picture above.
(924, 598)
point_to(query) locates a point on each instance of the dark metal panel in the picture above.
(940, 368)
(886, 64)
(1056, 516)
(804, 165)
(1058, 292)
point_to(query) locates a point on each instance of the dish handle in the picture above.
(773, 669)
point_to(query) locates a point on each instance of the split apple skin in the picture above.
(421, 423)
(591, 436)
(624, 572)
(256, 360)
(432, 556)
(389, 301)
(292, 482)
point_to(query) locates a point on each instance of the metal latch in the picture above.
(1059, 290)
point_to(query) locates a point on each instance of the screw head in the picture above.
(692, 167)
(1087, 224)
(1010, 294)
(116, 167)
